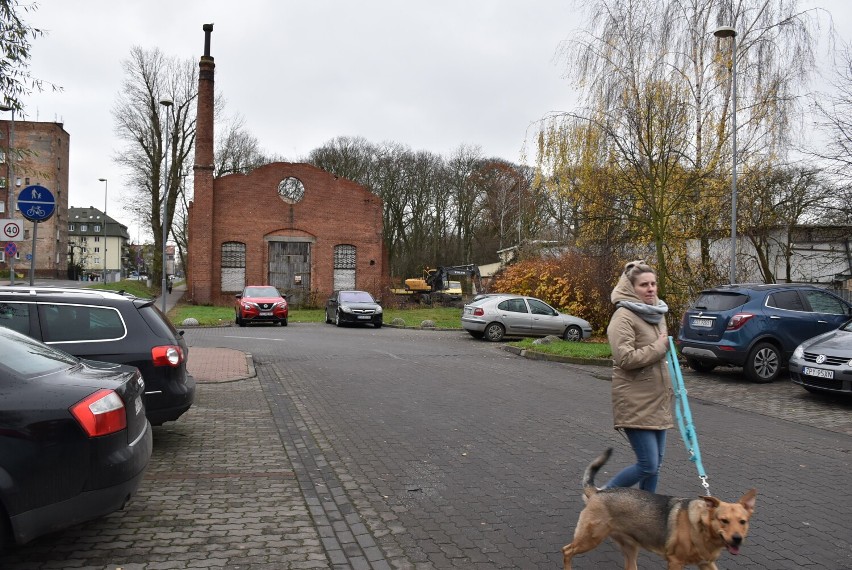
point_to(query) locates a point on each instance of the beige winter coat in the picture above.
(642, 393)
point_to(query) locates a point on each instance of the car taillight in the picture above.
(738, 320)
(102, 413)
(478, 312)
(169, 355)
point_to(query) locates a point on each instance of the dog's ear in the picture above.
(748, 499)
(711, 502)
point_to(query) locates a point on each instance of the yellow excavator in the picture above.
(435, 285)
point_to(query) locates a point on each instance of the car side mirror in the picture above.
(238, 296)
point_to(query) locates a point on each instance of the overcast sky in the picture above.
(432, 75)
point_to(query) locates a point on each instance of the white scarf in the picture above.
(650, 313)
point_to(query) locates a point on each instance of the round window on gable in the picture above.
(291, 190)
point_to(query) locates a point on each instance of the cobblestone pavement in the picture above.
(372, 449)
(781, 399)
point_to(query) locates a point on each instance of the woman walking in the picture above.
(642, 394)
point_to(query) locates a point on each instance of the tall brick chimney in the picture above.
(201, 256)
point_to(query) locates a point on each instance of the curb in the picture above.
(534, 355)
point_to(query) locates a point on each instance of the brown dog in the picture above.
(683, 531)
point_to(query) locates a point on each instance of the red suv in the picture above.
(260, 304)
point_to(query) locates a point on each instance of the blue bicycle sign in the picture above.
(36, 203)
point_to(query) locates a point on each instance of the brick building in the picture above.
(292, 226)
(38, 155)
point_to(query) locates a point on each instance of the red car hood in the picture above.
(262, 299)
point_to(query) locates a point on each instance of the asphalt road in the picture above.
(434, 450)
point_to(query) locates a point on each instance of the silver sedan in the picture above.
(824, 363)
(495, 316)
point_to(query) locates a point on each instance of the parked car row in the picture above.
(84, 374)
(769, 328)
(804, 330)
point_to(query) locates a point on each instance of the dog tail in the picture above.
(592, 470)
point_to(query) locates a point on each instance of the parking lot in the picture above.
(365, 448)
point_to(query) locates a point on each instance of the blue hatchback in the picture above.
(756, 326)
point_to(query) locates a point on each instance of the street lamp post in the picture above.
(106, 187)
(10, 183)
(164, 286)
(730, 32)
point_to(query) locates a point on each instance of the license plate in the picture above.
(702, 323)
(138, 405)
(364, 316)
(266, 313)
(818, 372)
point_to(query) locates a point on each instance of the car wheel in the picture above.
(284, 322)
(337, 321)
(378, 325)
(700, 365)
(573, 334)
(476, 334)
(494, 332)
(239, 321)
(327, 318)
(763, 363)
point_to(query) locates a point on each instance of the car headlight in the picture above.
(281, 305)
(799, 352)
(248, 306)
(378, 310)
(345, 308)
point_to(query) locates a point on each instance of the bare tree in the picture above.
(237, 150)
(833, 113)
(140, 121)
(16, 82)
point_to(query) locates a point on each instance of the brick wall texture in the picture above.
(40, 153)
(247, 208)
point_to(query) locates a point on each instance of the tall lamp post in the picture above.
(164, 286)
(11, 183)
(106, 187)
(729, 32)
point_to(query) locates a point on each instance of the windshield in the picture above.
(28, 358)
(355, 297)
(261, 292)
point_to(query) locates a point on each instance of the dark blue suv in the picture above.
(756, 326)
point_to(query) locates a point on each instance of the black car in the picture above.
(112, 327)
(353, 307)
(756, 326)
(74, 441)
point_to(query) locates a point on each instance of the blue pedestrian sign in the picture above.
(36, 203)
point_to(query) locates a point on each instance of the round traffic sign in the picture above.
(11, 249)
(36, 203)
(12, 229)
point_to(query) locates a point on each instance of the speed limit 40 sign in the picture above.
(13, 230)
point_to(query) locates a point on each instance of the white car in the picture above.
(496, 316)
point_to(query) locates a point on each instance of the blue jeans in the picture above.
(649, 445)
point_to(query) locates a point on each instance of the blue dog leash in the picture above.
(684, 416)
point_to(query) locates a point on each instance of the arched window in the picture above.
(233, 266)
(344, 267)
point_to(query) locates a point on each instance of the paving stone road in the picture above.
(360, 448)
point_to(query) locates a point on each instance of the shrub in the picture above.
(572, 283)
